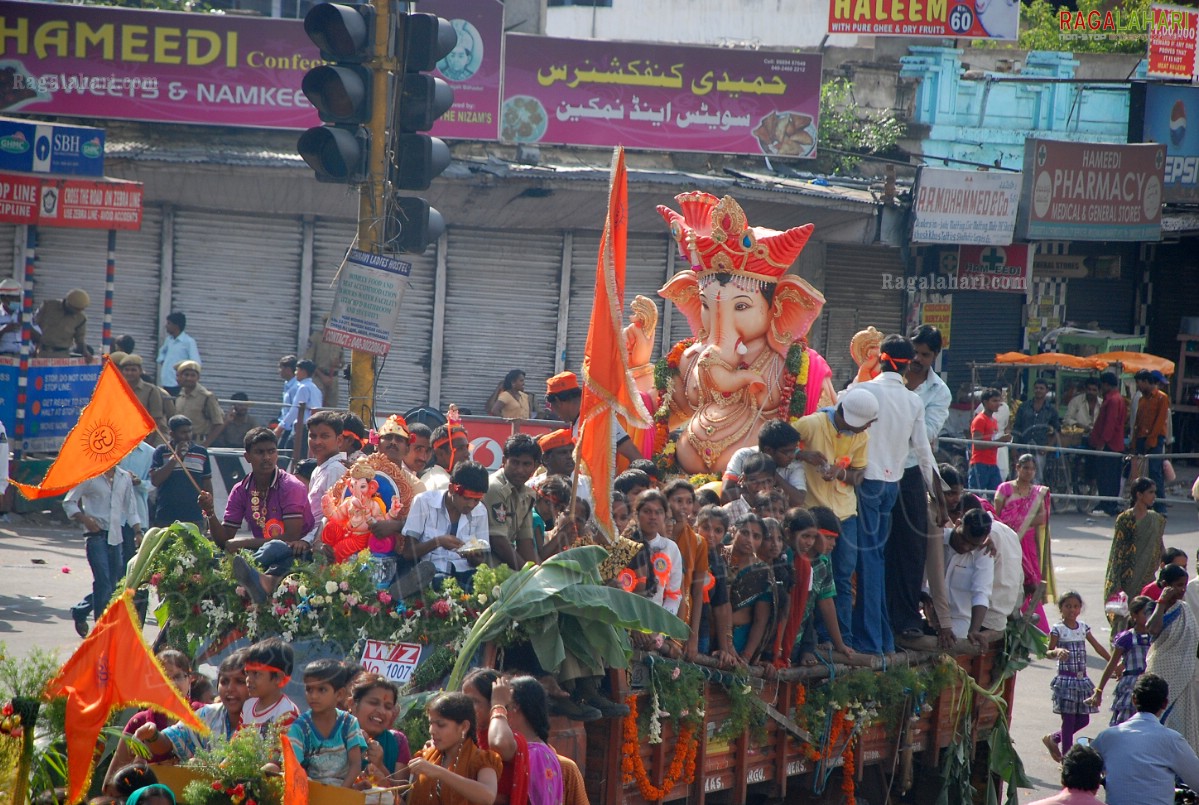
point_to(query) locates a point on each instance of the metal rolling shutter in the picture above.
(11, 263)
(76, 258)
(501, 312)
(645, 273)
(1109, 303)
(983, 324)
(855, 298)
(403, 379)
(238, 279)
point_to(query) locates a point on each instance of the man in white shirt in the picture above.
(900, 429)
(907, 546)
(287, 373)
(307, 398)
(779, 441)
(177, 347)
(1007, 588)
(969, 575)
(103, 505)
(440, 523)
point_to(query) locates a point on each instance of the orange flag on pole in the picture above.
(113, 667)
(109, 426)
(608, 386)
(295, 779)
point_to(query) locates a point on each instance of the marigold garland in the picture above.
(847, 774)
(793, 400)
(682, 766)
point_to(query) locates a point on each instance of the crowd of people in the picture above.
(836, 534)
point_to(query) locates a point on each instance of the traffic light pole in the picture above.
(372, 201)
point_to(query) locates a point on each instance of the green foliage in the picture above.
(1041, 28)
(563, 607)
(869, 697)
(744, 710)
(411, 718)
(845, 136)
(236, 765)
(676, 694)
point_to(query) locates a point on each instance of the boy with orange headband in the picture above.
(268, 670)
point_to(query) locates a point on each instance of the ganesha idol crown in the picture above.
(714, 235)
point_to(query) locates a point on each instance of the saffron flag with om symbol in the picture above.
(110, 425)
(112, 668)
(608, 387)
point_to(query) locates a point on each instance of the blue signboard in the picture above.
(33, 147)
(1167, 110)
(8, 393)
(57, 392)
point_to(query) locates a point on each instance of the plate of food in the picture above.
(786, 134)
(523, 120)
(474, 548)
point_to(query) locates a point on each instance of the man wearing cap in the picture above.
(149, 396)
(305, 399)
(450, 448)
(557, 458)
(177, 347)
(64, 323)
(565, 399)
(1149, 430)
(834, 460)
(899, 431)
(198, 404)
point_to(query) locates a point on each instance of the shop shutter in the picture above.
(501, 312)
(77, 258)
(983, 323)
(856, 297)
(1175, 295)
(403, 377)
(645, 273)
(238, 280)
(11, 263)
(1109, 303)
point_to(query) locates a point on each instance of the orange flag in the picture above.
(111, 425)
(295, 779)
(113, 667)
(608, 387)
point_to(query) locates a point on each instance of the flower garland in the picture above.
(666, 374)
(793, 400)
(682, 766)
(847, 774)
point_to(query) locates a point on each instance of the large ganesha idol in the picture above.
(749, 361)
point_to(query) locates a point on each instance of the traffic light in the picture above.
(417, 157)
(340, 91)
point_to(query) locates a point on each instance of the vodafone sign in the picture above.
(1091, 191)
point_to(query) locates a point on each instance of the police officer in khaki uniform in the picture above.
(64, 323)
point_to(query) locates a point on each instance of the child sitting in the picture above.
(327, 741)
(222, 717)
(824, 589)
(268, 670)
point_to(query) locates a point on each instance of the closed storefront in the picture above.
(238, 280)
(860, 290)
(983, 323)
(501, 312)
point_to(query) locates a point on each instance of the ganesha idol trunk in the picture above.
(749, 360)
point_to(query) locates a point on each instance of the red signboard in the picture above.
(993, 268)
(1091, 191)
(953, 19)
(488, 434)
(1172, 39)
(659, 97)
(70, 203)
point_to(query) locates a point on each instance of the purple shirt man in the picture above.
(286, 498)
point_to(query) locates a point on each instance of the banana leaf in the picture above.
(152, 541)
(564, 606)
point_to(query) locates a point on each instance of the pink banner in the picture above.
(472, 68)
(103, 62)
(659, 97)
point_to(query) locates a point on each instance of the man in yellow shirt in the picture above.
(835, 446)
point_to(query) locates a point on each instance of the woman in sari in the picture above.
(1137, 545)
(513, 718)
(1175, 631)
(452, 769)
(1024, 507)
(751, 587)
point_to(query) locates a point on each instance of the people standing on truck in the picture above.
(178, 346)
(63, 324)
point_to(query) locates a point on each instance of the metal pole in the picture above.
(26, 340)
(110, 274)
(371, 199)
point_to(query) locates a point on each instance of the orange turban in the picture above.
(563, 381)
(395, 426)
(556, 439)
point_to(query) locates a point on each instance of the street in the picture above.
(36, 555)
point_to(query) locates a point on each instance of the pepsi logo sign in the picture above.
(1178, 123)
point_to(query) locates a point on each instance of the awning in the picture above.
(1131, 361)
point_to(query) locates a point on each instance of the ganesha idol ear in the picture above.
(683, 292)
(796, 306)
